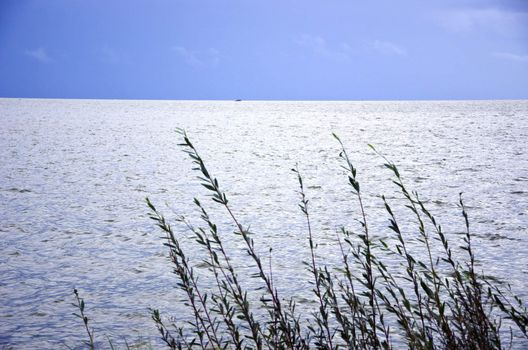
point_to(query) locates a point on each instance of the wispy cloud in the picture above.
(388, 48)
(198, 59)
(504, 21)
(511, 56)
(112, 56)
(40, 54)
(318, 45)
(344, 52)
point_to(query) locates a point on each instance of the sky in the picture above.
(264, 50)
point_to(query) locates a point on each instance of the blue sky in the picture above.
(252, 49)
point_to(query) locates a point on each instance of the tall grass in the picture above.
(440, 302)
(433, 298)
(79, 304)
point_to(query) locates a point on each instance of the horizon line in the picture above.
(263, 100)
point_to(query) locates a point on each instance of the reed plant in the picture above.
(79, 304)
(434, 297)
(440, 302)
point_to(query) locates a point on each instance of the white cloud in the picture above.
(318, 45)
(110, 55)
(497, 20)
(511, 56)
(198, 59)
(345, 52)
(39, 54)
(388, 48)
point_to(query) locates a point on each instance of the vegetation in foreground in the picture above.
(440, 302)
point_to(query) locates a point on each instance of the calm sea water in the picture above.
(74, 175)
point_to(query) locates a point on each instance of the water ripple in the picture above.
(74, 175)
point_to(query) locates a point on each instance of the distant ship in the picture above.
(238, 100)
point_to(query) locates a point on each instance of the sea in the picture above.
(74, 176)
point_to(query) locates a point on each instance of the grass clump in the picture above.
(430, 299)
(436, 302)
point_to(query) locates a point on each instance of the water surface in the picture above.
(74, 175)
